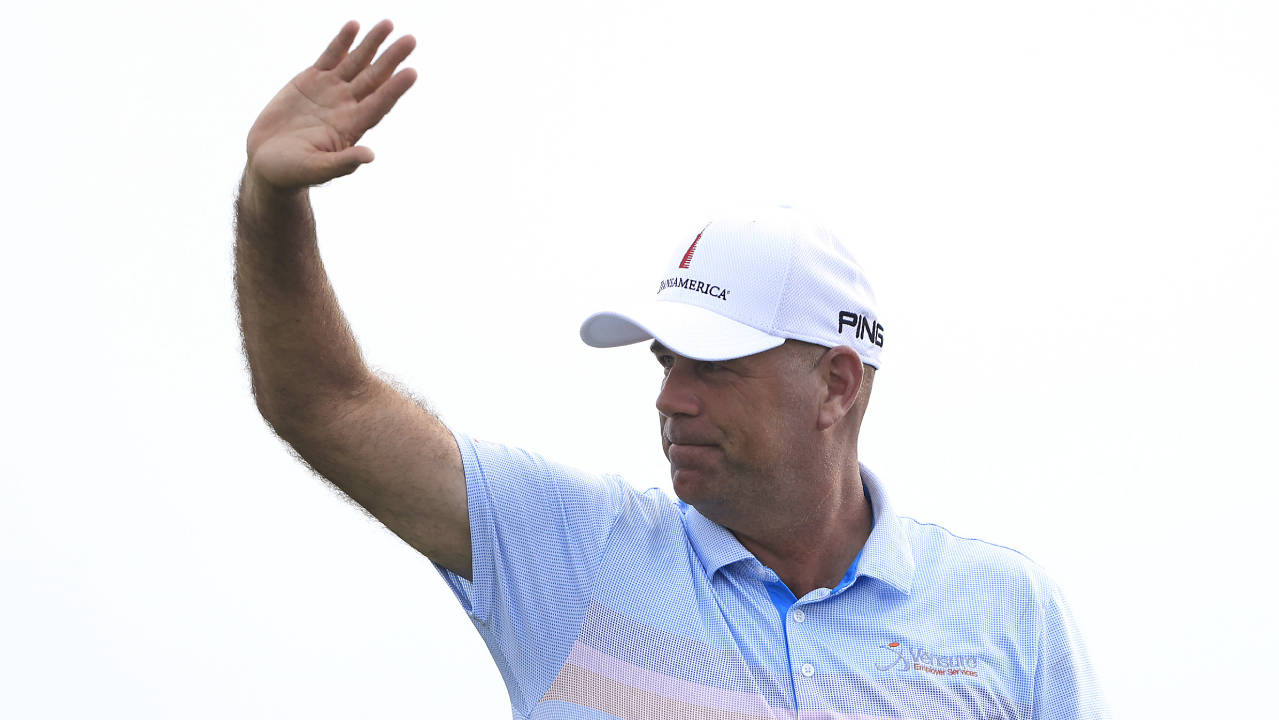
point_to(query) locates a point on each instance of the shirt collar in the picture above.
(886, 556)
(714, 544)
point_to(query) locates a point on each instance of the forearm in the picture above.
(302, 355)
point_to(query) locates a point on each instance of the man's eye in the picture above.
(708, 366)
(666, 361)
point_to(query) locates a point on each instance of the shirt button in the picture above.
(798, 615)
(806, 670)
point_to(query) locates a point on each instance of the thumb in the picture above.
(345, 162)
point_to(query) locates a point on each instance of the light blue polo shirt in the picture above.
(600, 601)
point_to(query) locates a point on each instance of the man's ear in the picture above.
(841, 371)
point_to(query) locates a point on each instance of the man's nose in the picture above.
(679, 395)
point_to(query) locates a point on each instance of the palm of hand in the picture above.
(307, 134)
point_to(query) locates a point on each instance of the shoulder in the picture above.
(976, 566)
(530, 479)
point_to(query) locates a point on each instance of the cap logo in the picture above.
(865, 328)
(684, 283)
(688, 256)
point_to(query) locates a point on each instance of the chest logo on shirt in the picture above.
(903, 658)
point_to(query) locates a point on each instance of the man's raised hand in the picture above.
(309, 379)
(307, 135)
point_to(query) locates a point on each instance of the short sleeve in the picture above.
(538, 533)
(1065, 686)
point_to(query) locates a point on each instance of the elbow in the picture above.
(277, 410)
(270, 406)
(293, 412)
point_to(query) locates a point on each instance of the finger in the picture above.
(372, 109)
(359, 58)
(336, 50)
(372, 78)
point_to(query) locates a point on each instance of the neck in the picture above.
(815, 549)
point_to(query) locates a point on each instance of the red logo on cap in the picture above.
(688, 256)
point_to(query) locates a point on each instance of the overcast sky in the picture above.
(1069, 211)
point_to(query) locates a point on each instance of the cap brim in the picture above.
(688, 330)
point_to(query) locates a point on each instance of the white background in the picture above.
(1069, 212)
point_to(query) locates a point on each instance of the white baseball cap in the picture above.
(745, 284)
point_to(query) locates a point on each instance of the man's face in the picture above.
(736, 432)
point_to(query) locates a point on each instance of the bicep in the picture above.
(401, 464)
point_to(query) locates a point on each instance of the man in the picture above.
(780, 585)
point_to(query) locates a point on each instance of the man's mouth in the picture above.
(687, 453)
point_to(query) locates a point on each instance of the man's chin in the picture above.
(692, 485)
